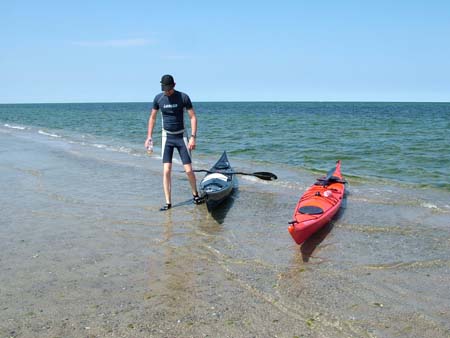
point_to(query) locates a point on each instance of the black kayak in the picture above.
(218, 184)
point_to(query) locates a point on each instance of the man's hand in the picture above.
(191, 144)
(147, 141)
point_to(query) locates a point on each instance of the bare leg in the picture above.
(191, 176)
(167, 182)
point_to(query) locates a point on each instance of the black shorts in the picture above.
(178, 141)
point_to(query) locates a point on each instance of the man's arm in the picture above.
(193, 136)
(151, 124)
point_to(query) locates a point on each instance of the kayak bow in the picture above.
(218, 184)
(318, 205)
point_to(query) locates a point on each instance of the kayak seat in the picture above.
(223, 166)
(325, 182)
(310, 210)
(212, 188)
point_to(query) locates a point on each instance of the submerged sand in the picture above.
(86, 253)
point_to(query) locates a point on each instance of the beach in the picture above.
(91, 246)
(95, 96)
(86, 253)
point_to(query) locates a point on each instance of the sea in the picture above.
(86, 251)
(403, 143)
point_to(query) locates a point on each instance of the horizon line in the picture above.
(237, 101)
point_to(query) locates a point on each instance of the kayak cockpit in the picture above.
(215, 182)
(310, 210)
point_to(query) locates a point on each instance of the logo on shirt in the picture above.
(175, 105)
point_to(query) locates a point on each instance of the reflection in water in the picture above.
(221, 211)
(172, 270)
(168, 225)
(308, 247)
(187, 202)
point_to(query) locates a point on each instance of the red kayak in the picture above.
(318, 205)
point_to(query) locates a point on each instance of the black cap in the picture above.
(167, 82)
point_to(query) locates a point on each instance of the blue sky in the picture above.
(114, 51)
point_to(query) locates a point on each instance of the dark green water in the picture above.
(402, 142)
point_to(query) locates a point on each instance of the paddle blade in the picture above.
(330, 173)
(265, 175)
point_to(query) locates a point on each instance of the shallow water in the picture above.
(87, 253)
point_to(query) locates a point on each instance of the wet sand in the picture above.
(86, 253)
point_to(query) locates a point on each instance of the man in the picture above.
(172, 104)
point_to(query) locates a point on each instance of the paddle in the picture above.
(263, 175)
(329, 174)
(329, 178)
